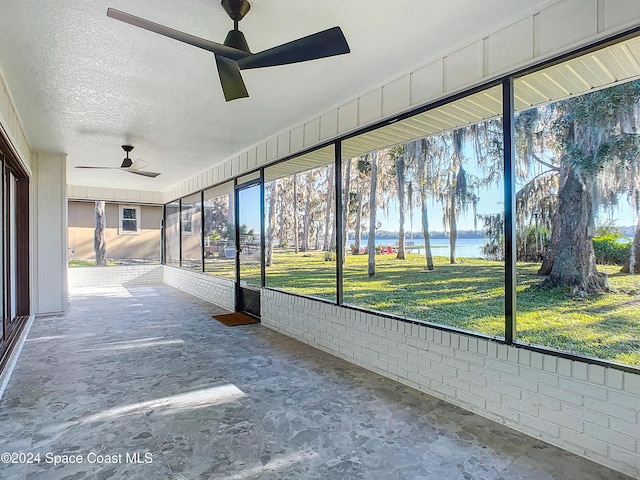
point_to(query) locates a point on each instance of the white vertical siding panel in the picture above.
(370, 107)
(464, 67)
(396, 96)
(510, 46)
(566, 23)
(329, 125)
(348, 116)
(311, 132)
(427, 83)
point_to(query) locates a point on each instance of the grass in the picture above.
(470, 295)
(87, 263)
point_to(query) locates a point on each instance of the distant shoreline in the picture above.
(416, 236)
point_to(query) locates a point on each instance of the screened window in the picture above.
(423, 216)
(300, 225)
(191, 215)
(219, 231)
(172, 234)
(577, 204)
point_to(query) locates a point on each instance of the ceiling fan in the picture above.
(128, 165)
(234, 54)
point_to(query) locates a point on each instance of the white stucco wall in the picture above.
(11, 126)
(48, 197)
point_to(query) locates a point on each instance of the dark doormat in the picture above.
(236, 318)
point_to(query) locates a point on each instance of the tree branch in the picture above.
(546, 164)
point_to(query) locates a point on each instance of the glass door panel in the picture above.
(249, 249)
(249, 236)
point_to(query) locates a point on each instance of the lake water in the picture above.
(465, 247)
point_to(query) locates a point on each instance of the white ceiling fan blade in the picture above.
(101, 168)
(139, 164)
(144, 173)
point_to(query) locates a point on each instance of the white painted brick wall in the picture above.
(116, 275)
(220, 291)
(590, 410)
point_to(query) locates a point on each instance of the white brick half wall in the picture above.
(116, 275)
(220, 291)
(587, 409)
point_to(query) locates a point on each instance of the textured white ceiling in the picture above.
(84, 83)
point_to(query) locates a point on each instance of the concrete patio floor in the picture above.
(141, 382)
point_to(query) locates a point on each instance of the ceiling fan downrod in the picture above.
(236, 9)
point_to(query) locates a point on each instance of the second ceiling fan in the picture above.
(234, 55)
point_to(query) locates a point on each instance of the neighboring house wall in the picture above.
(192, 235)
(142, 244)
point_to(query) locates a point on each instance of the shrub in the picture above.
(329, 256)
(611, 249)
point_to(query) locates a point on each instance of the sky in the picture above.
(491, 202)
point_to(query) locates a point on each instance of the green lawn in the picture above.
(470, 295)
(88, 263)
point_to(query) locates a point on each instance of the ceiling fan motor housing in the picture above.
(236, 9)
(235, 39)
(126, 163)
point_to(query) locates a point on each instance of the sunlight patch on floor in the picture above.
(58, 337)
(275, 464)
(173, 404)
(131, 344)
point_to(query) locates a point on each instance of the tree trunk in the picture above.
(401, 205)
(281, 222)
(345, 209)
(556, 230)
(99, 243)
(371, 243)
(423, 201)
(231, 215)
(425, 233)
(328, 224)
(358, 240)
(574, 263)
(453, 226)
(295, 214)
(306, 225)
(272, 223)
(633, 262)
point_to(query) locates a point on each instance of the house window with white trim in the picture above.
(187, 224)
(129, 219)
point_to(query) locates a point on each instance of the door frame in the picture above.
(247, 297)
(14, 257)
